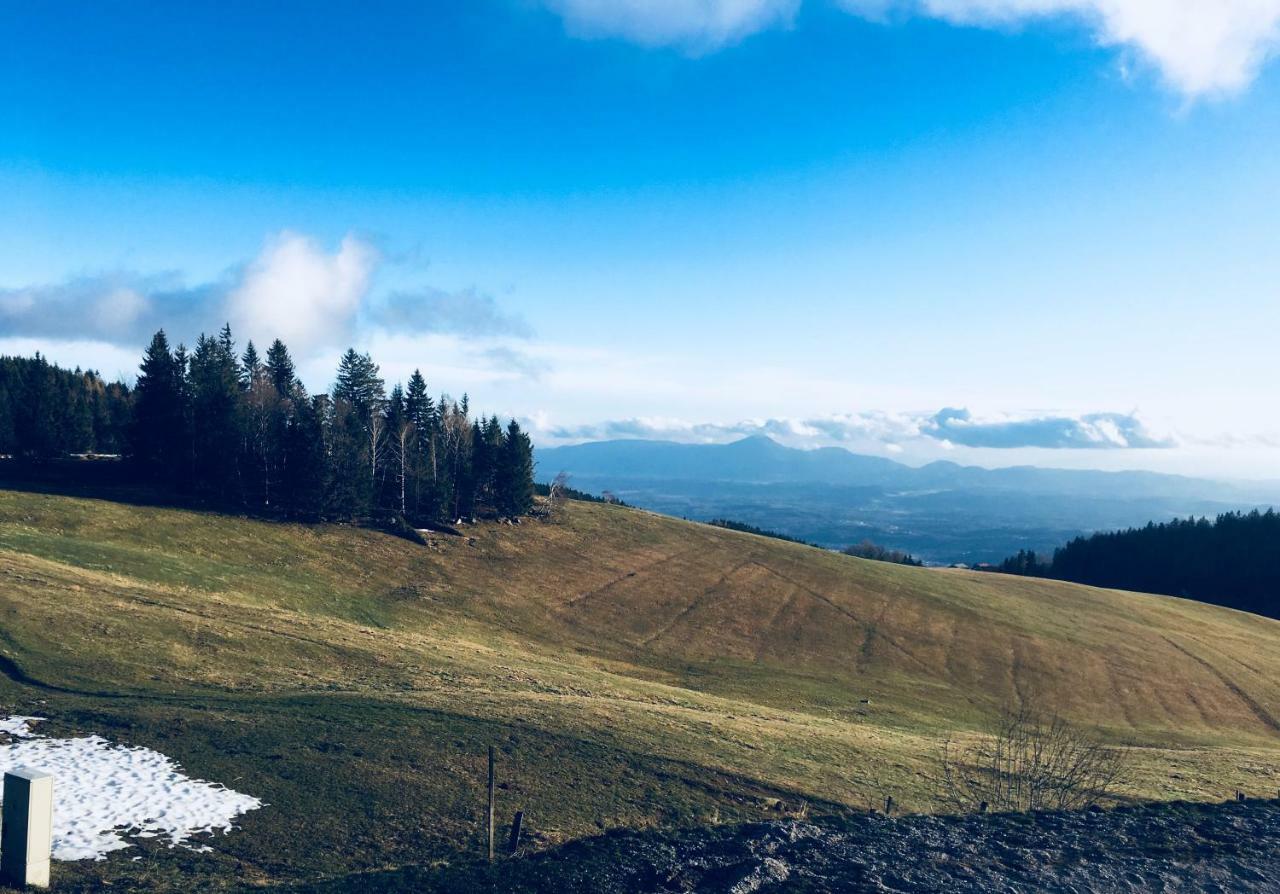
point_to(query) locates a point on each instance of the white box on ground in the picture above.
(26, 836)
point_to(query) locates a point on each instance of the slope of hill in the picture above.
(943, 512)
(633, 670)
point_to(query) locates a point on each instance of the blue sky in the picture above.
(996, 231)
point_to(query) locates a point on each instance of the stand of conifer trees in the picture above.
(47, 412)
(240, 431)
(1230, 561)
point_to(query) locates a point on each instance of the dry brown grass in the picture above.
(829, 676)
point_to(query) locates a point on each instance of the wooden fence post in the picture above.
(27, 836)
(490, 822)
(513, 843)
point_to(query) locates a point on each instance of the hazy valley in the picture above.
(942, 512)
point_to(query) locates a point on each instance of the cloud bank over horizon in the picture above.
(947, 428)
(1199, 48)
(321, 299)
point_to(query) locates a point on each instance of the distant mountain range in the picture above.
(943, 511)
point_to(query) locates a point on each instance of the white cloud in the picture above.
(888, 431)
(1090, 431)
(118, 310)
(464, 312)
(112, 361)
(312, 298)
(696, 25)
(1200, 47)
(296, 292)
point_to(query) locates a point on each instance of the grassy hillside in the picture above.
(633, 669)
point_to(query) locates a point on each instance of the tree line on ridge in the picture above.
(1230, 561)
(238, 430)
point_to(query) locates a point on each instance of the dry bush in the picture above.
(1033, 761)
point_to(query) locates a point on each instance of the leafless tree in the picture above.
(1033, 761)
(377, 436)
(456, 433)
(263, 409)
(403, 450)
(556, 496)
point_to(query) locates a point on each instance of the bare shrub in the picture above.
(1033, 761)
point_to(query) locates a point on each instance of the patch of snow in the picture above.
(102, 791)
(19, 727)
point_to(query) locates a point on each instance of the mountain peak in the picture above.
(758, 442)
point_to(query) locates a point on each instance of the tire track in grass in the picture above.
(1121, 695)
(602, 589)
(697, 600)
(872, 631)
(1260, 712)
(769, 625)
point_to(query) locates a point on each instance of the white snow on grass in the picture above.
(18, 726)
(102, 791)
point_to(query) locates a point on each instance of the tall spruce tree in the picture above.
(358, 440)
(251, 368)
(305, 475)
(159, 435)
(428, 480)
(515, 472)
(216, 418)
(280, 369)
(359, 383)
(486, 452)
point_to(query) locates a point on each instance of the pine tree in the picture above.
(357, 426)
(9, 444)
(187, 449)
(421, 412)
(359, 383)
(216, 402)
(280, 369)
(304, 480)
(158, 430)
(80, 407)
(417, 402)
(251, 368)
(486, 452)
(515, 473)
